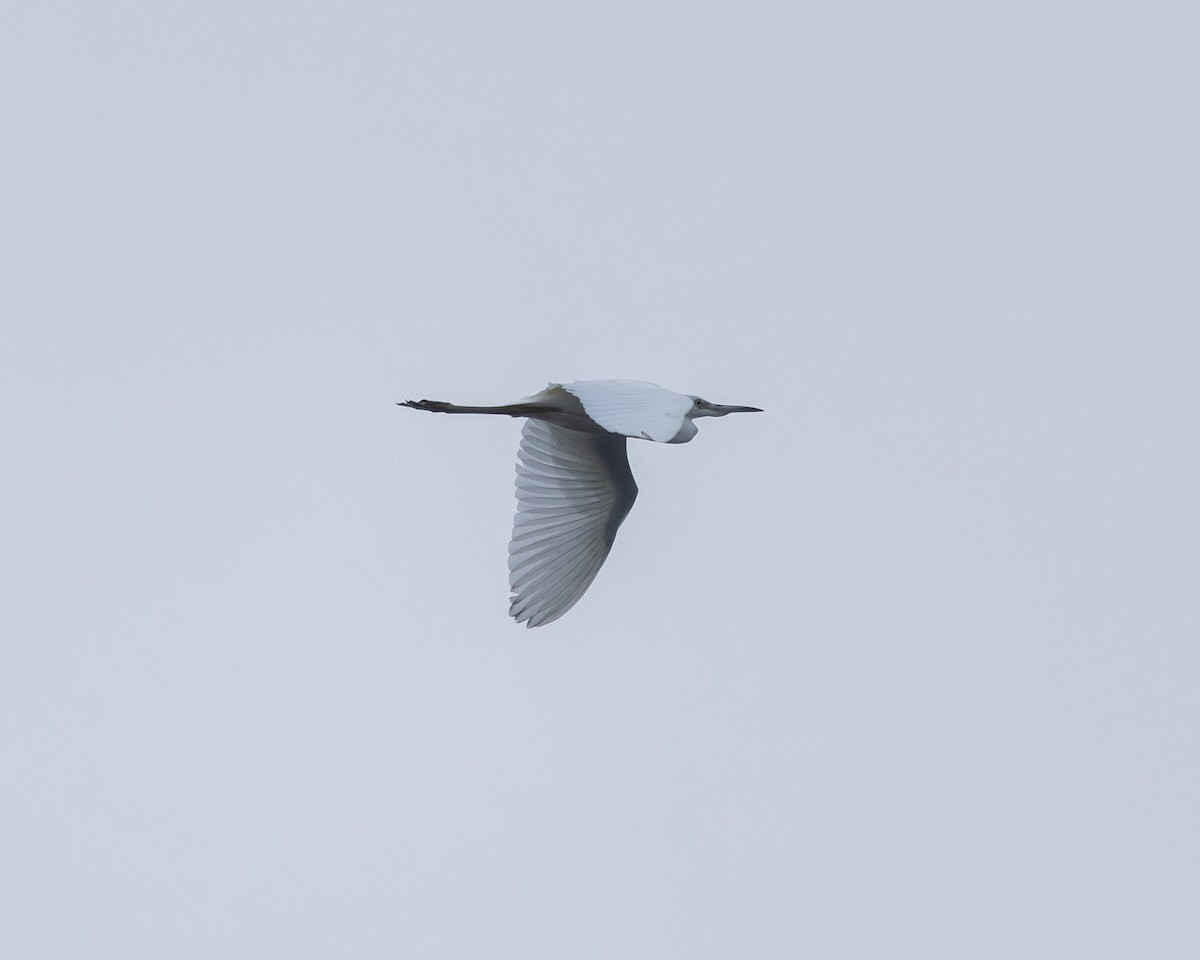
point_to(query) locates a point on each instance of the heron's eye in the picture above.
(699, 403)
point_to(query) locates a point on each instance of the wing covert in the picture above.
(633, 408)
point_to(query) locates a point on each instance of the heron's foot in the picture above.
(434, 406)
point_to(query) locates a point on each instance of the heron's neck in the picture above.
(686, 432)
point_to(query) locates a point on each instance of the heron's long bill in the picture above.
(724, 408)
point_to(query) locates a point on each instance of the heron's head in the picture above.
(702, 408)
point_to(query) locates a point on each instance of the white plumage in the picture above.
(632, 407)
(574, 485)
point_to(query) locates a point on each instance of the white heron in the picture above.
(574, 485)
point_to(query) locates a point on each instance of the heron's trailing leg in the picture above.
(508, 409)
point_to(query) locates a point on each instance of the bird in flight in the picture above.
(574, 485)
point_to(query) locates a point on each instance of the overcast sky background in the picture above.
(905, 666)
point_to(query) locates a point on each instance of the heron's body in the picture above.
(574, 485)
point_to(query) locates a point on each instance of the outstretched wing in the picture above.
(573, 491)
(632, 407)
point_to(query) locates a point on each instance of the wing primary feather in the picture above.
(573, 491)
(541, 575)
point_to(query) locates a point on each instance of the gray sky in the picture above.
(904, 667)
